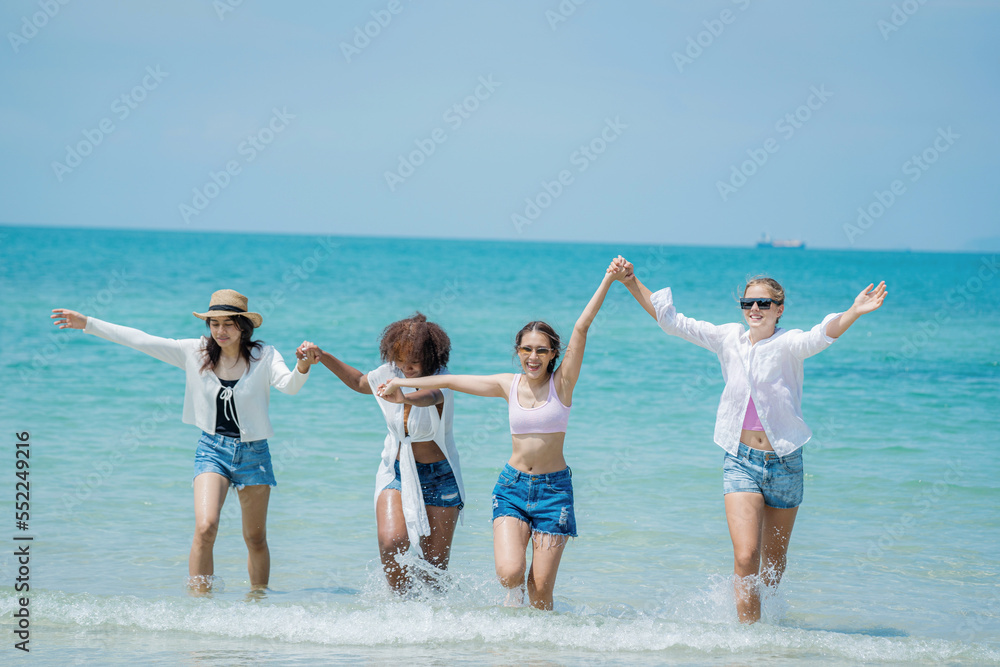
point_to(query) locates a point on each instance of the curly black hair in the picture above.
(418, 339)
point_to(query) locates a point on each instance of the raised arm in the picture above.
(477, 385)
(349, 375)
(635, 287)
(569, 370)
(867, 301)
(661, 306)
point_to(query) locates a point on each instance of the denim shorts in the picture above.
(242, 463)
(777, 478)
(437, 482)
(544, 502)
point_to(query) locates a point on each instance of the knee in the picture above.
(746, 561)
(510, 575)
(391, 543)
(206, 530)
(540, 592)
(255, 539)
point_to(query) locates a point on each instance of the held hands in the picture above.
(869, 299)
(308, 350)
(68, 319)
(621, 269)
(308, 354)
(388, 391)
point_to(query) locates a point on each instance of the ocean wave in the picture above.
(347, 619)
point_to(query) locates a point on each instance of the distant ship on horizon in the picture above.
(766, 242)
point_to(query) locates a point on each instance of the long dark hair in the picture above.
(416, 337)
(540, 327)
(248, 347)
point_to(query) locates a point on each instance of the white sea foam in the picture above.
(373, 621)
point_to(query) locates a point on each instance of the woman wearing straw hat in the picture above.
(226, 395)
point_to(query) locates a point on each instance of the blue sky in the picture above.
(701, 123)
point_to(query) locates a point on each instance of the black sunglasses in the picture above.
(763, 304)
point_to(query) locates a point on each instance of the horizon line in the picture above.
(749, 245)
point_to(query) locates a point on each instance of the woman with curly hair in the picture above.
(418, 487)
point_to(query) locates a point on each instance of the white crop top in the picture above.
(422, 423)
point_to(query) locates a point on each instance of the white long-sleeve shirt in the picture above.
(251, 393)
(424, 424)
(770, 371)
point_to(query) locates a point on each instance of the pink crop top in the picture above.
(549, 417)
(751, 421)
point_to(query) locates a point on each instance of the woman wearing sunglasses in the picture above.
(759, 421)
(533, 497)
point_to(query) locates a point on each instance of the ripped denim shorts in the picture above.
(437, 483)
(242, 463)
(544, 502)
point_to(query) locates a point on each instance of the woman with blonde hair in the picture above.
(759, 421)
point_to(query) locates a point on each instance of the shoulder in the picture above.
(266, 352)
(382, 374)
(507, 381)
(732, 332)
(786, 335)
(733, 328)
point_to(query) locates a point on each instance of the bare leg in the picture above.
(392, 538)
(510, 540)
(777, 531)
(745, 515)
(209, 495)
(437, 545)
(253, 502)
(546, 552)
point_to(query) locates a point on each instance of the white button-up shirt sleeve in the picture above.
(201, 386)
(804, 344)
(172, 351)
(707, 335)
(284, 380)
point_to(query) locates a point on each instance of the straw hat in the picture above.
(228, 302)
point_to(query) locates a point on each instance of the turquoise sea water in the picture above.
(895, 555)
